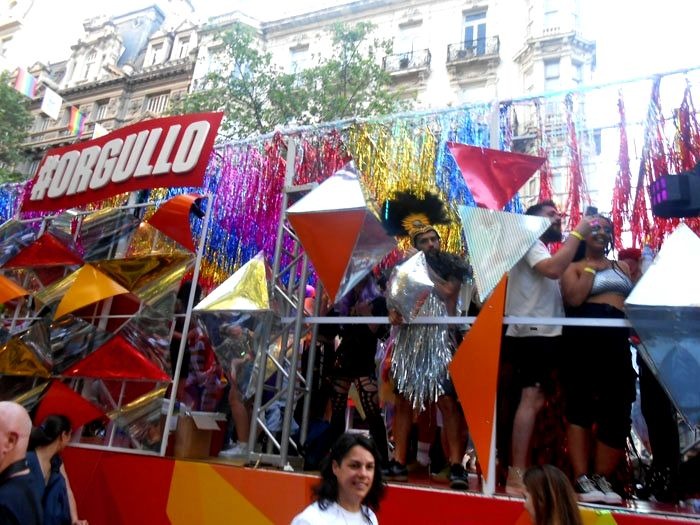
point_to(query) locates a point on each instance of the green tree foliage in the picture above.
(15, 120)
(256, 95)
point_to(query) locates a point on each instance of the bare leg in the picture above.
(531, 402)
(452, 427)
(579, 439)
(607, 459)
(239, 412)
(403, 419)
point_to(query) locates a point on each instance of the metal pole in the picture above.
(186, 325)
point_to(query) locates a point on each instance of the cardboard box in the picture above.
(193, 435)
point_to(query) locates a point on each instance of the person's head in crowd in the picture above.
(633, 258)
(548, 209)
(549, 497)
(55, 430)
(351, 476)
(15, 426)
(183, 296)
(365, 291)
(599, 242)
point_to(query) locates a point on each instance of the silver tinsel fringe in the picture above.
(421, 356)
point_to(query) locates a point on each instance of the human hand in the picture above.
(585, 225)
(411, 252)
(395, 317)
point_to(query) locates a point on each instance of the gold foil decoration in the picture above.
(18, 358)
(245, 290)
(31, 397)
(90, 286)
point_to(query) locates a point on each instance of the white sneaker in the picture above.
(587, 491)
(239, 449)
(609, 495)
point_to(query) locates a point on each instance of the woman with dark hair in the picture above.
(549, 498)
(45, 444)
(351, 485)
(598, 379)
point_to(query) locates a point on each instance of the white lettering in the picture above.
(44, 177)
(191, 146)
(129, 157)
(63, 175)
(105, 164)
(144, 167)
(162, 164)
(81, 177)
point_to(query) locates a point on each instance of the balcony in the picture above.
(476, 50)
(413, 63)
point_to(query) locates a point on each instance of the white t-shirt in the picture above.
(531, 294)
(334, 514)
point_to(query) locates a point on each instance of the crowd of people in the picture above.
(34, 486)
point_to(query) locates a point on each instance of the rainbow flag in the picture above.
(76, 122)
(25, 83)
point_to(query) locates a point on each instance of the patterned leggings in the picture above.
(369, 398)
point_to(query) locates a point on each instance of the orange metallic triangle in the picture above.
(117, 359)
(60, 399)
(329, 239)
(47, 250)
(173, 219)
(474, 372)
(10, 290)
(90, 286)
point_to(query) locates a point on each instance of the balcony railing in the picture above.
(411, 61)
(473, 50)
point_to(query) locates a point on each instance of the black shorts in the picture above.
(534, 360)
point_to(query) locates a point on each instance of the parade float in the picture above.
(95, 247)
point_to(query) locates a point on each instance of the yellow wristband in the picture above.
(589, 270)
(577, 235)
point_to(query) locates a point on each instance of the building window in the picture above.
(100, 110)
(298, 59)
(578, 72)
(475, 32)
(33, 165)
(156, 50)
(183, 47)
(90, 60)
(551, 74)
(4, 44)
(41, 123)
(157, 103)
(551, 15)
(408, 35)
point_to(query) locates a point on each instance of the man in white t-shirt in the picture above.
(533, 291)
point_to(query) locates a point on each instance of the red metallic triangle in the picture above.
(117, 359)
(47, 250)
(474, 372)
(493, 176)
(173, 219)
(60, 399)
(329, 239)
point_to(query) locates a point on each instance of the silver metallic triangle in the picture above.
(341, 191)
(496, 240)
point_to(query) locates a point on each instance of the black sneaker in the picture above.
(395, 471)
(587, 491)
(458, 477)
(609, 495)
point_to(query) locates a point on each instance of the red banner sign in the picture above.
(158, 153)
